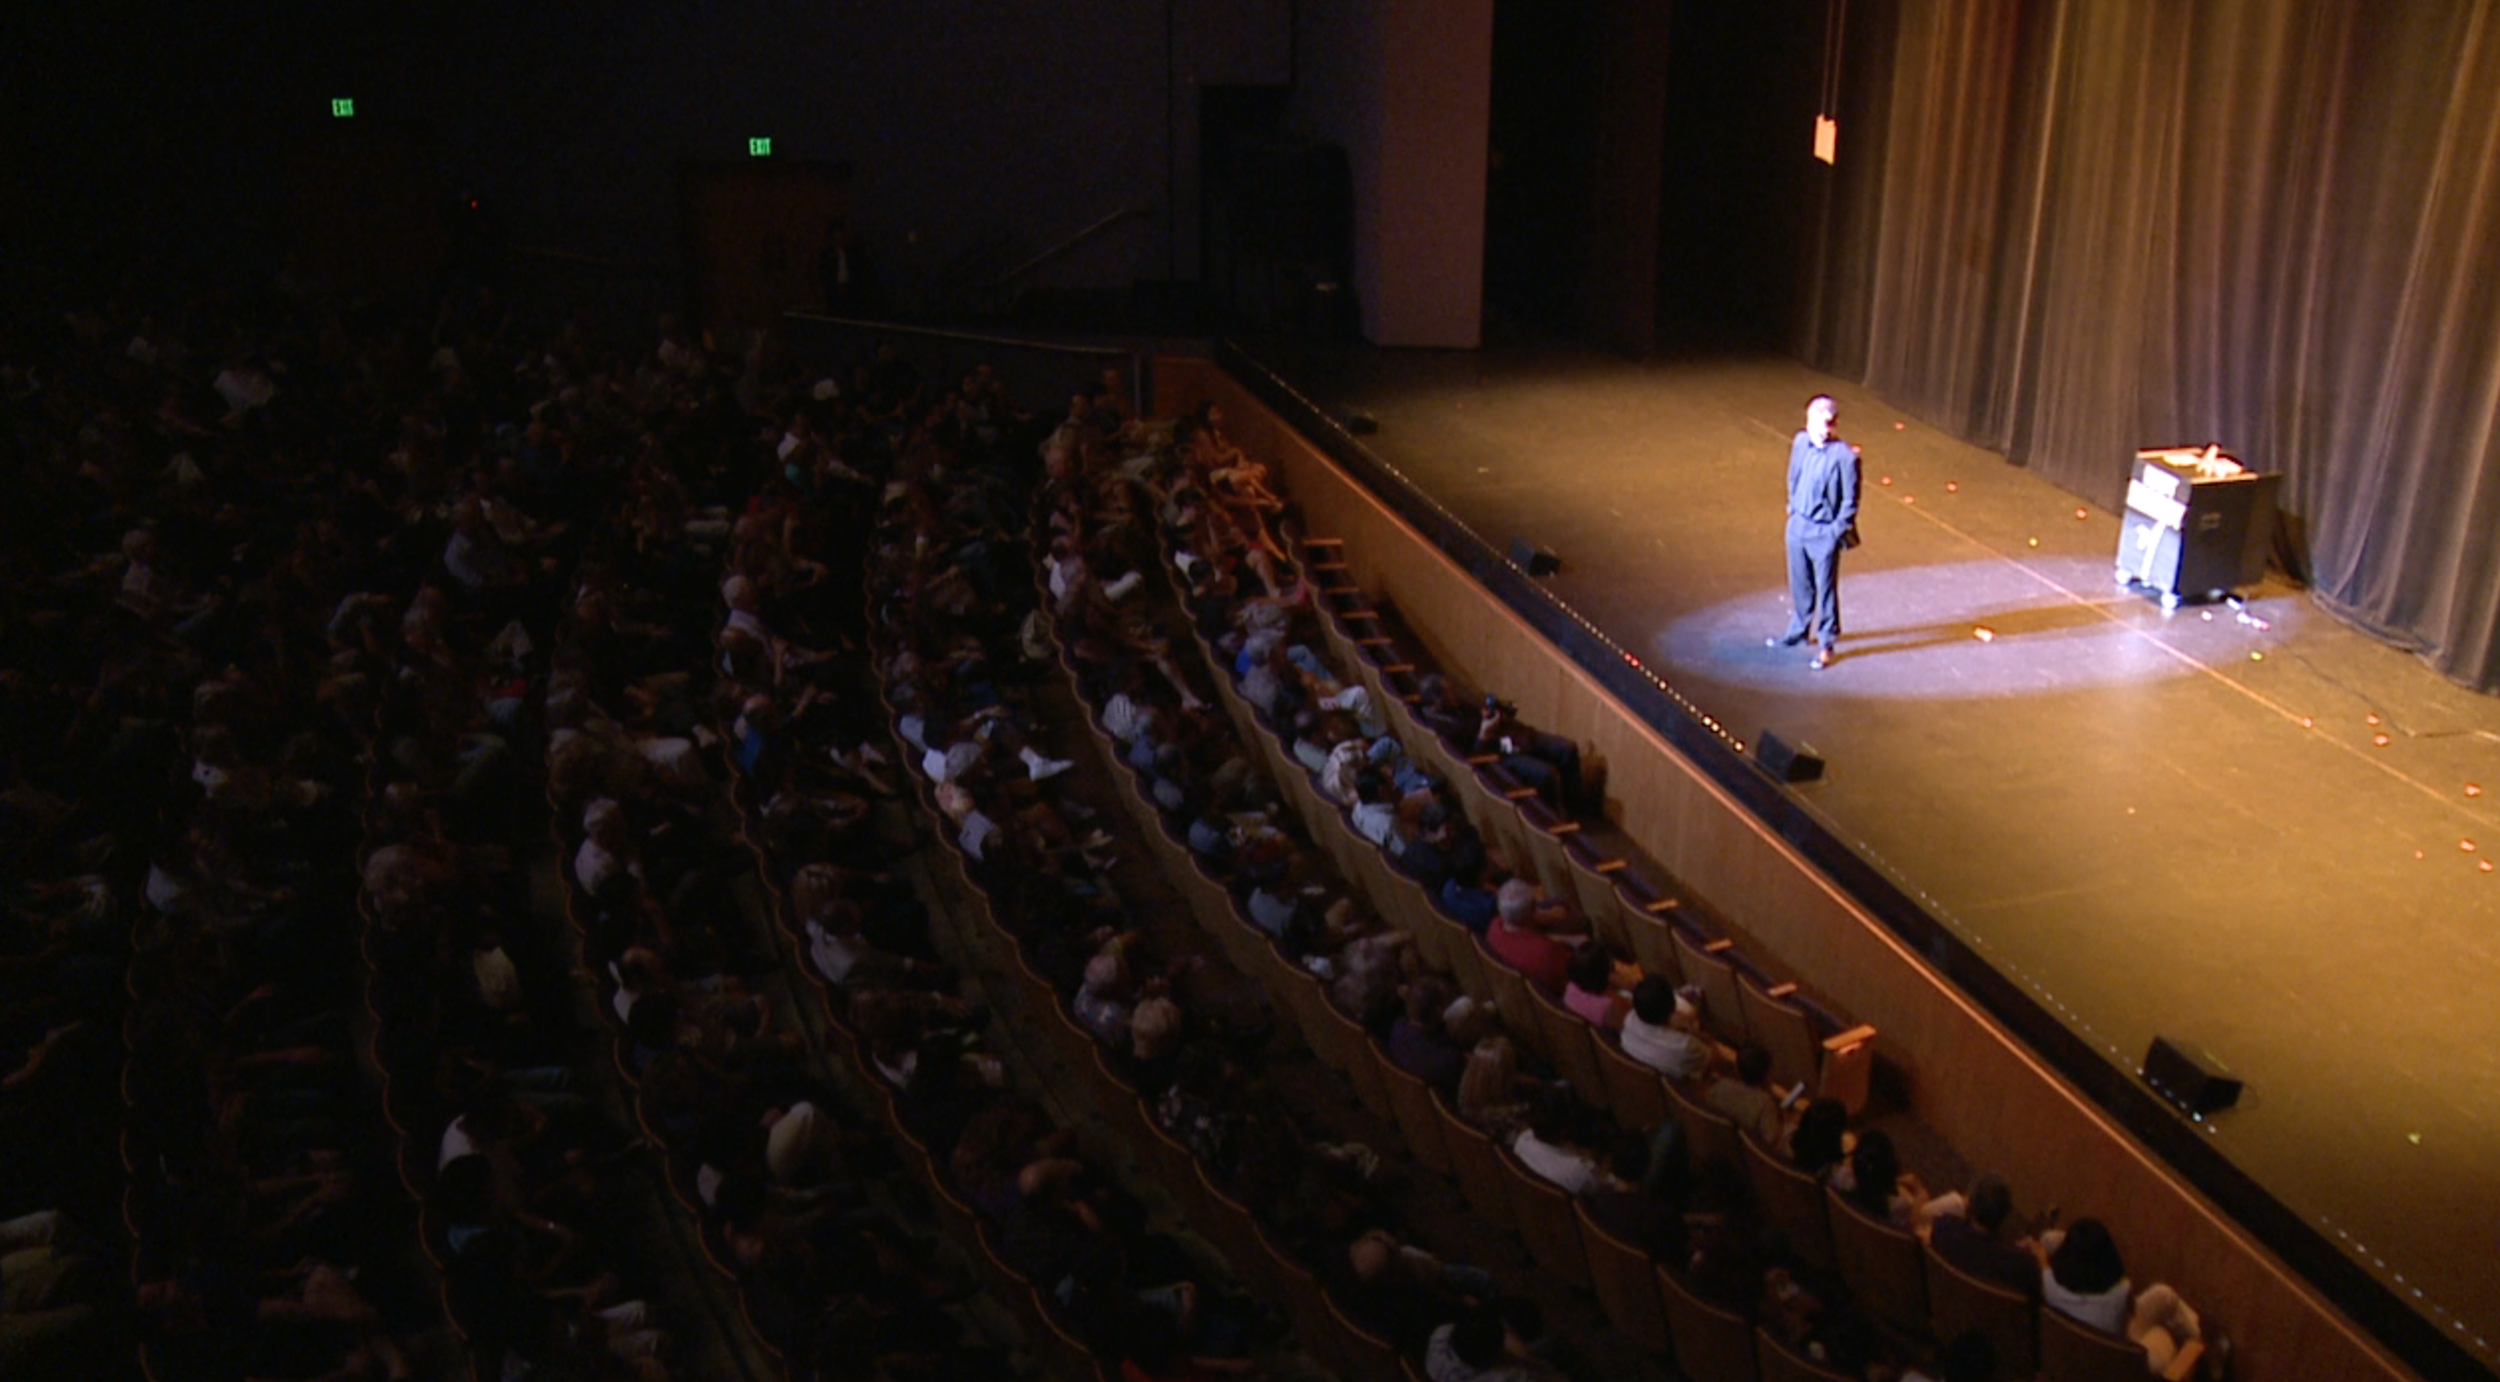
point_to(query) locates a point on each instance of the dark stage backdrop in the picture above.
(2066, 228)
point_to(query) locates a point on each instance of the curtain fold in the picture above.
(2089, 225)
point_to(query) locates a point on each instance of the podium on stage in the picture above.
(2197, 525)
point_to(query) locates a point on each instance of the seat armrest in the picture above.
(1849, 1040)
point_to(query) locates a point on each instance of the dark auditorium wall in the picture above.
(1574, 192)
(978, 132)
(1650, 186)
(1738, 183)
(1404, 87)
(2063, 229)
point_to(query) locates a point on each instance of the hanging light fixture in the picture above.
(1827, 109)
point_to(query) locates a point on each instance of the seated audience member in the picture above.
(54, 1283)
(1419, 1041)
(1595, 991)
(1972, 1241)
(1877, 1185)
(1489, 1089)
(1375, 808)
(1663, 1031)
(1097, 1006)
(1624, 1206)
(2082, 1276)
(1464, 896)
(1479, 1347)
(1745, 1097)
(475, 556)
(1368, 968)
(1549, 1145)
(1516, 941)
(1211, 838)
(1154, 1035)
(1441, 709)
(1445, 842)
(1197, 1108)
(2161, 1324)
(1273, 897)
(1820, 1141)
(1400, 1292)
(1548, 762)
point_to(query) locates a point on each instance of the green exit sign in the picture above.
(759, 148)
(342, 107)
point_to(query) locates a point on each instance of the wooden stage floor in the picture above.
(2258, 831)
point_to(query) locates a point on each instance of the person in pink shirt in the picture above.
(1595, 992)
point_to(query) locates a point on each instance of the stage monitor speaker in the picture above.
(1788, 762)
(2186, 1081)
(1535, 560)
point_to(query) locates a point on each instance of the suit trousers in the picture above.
(1814, 585)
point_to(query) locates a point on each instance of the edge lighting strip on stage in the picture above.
(2367, 1300)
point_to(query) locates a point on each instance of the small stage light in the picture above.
(2473, 789)
(1885, 481)
(1984, 634)
(1953, 487)
(2256, 657)
(2035, 542)
(2379, 739)
(2370, 719)
(1901, 427)
(2466, 845)
(2081, 512)
(2485, 866)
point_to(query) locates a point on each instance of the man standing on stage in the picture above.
(1822, 521)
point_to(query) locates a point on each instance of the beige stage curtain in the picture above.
(2065, 228)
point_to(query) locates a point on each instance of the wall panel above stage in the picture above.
(1999, 1104)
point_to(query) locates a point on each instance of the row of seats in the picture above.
(1210, 1192)
(698, 826)
(948, 590)
(1885, 1268)
(805, 823)
(1499, 1187)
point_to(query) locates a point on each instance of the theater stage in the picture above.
(2270, 836)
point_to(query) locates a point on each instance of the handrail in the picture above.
(1122, 214)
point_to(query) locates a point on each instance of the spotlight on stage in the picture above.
(1786, 761)
(1533, 559)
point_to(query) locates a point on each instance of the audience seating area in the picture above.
(621, 862)
(1860, 1276)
